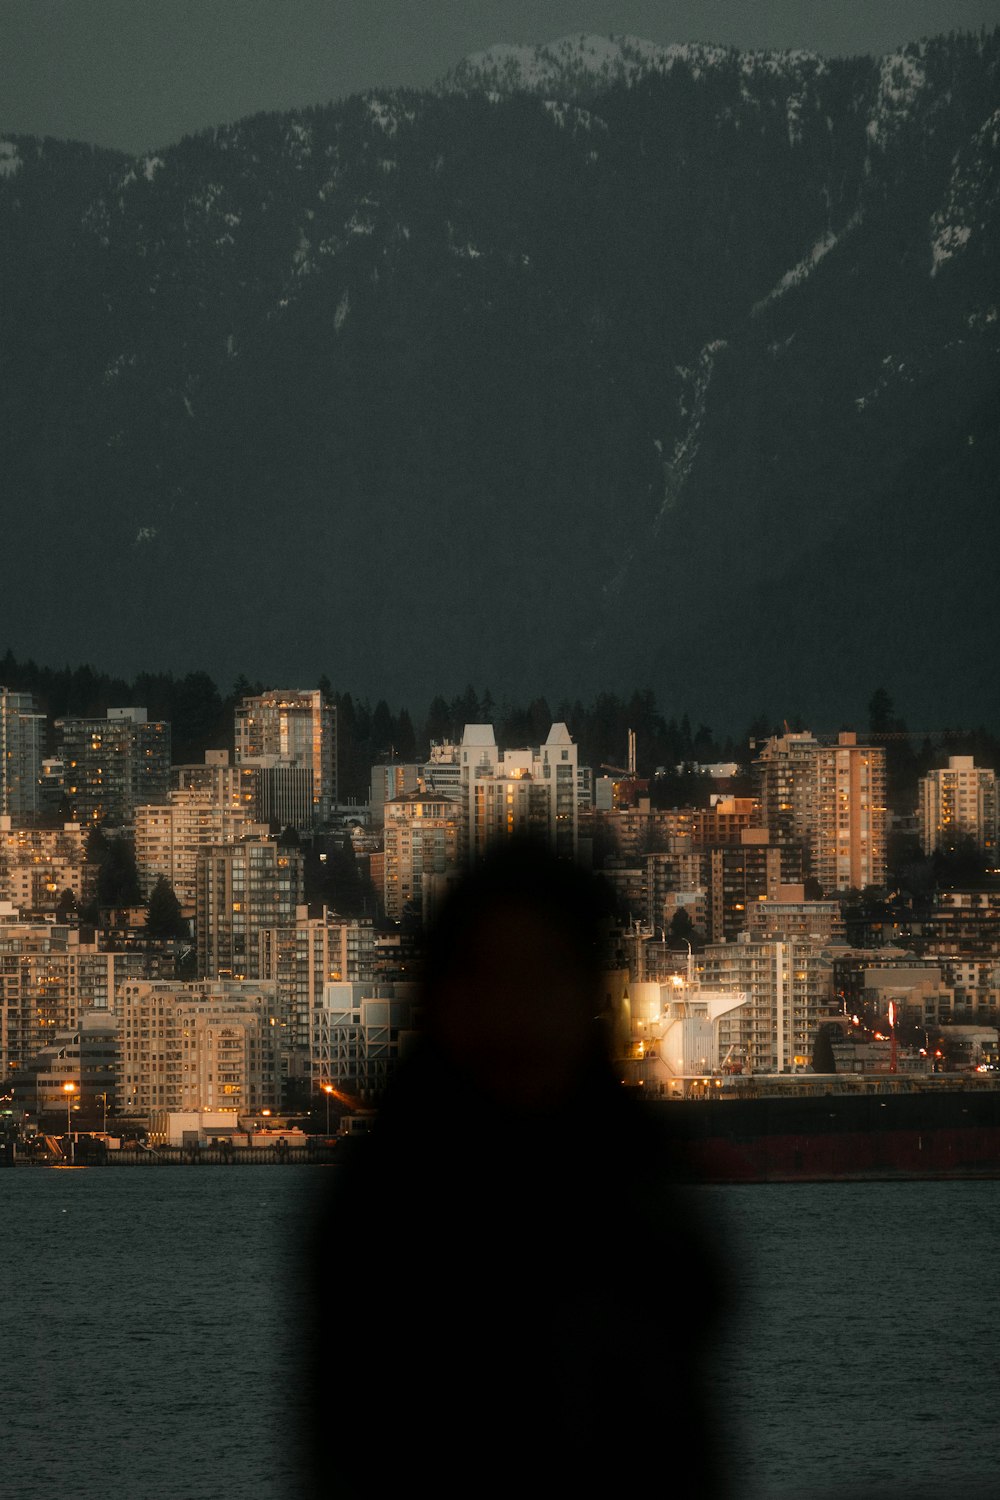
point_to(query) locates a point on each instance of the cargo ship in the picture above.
(886, 1130)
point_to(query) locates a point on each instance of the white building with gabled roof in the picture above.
(526, 791)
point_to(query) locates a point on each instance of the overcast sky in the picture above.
(141, 73)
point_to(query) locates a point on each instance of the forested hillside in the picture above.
(564, 375)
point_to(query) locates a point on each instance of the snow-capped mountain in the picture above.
(585, 63)
(598, 361)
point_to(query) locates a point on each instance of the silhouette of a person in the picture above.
(511, 1295)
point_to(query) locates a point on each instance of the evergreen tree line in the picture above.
(116, 886)
(201, 718)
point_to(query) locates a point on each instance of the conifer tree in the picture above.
(164, 918)
(118, 879)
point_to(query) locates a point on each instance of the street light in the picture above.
(69, 1089)
(328, 1089)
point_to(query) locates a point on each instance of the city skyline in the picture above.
(791, 849)
(238, 945)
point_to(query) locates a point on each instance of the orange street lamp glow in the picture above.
(69, 1089)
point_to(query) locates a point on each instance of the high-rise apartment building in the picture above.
(112, 766)
(242, 890)
(86, 1057)
(389, 781)
(639, 827)
(849, 837)
(829, 799)
(958, 803)
(22, 745)
(49, 978)
(442, 772)
(221, 783)
(662, 876)
(203, 1046)
(291, 737)
(740, 875)
(318, 950)
(423, 835)
(789, 989)
(785, 913)
(169, 837)
(38, 864)
(785, 784)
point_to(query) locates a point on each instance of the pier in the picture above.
(323, 1153)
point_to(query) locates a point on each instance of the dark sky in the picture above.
(140, 73)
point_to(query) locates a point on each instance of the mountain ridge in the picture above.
(515, 367)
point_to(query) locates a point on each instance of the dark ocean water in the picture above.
(861, 1356)
(149, 1341)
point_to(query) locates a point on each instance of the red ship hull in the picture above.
(827, 1138)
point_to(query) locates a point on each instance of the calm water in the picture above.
(149, 1346)
(862, 1358)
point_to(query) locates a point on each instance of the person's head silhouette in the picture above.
(513, 996)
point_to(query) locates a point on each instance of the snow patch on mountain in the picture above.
(677, 468)
(10, 159)
(577, 60)
(893, 372)
(205, 201)
(973, 192)
(570, 117)
(119, 364)
(793, 117)
(902, 79)
(468, 251)
(142, 168)
(691, 404)
(387, 114)
(805, 267)
(561, 68)
(299, 141)
(947, 240)
(300, 255)
(805, 98)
